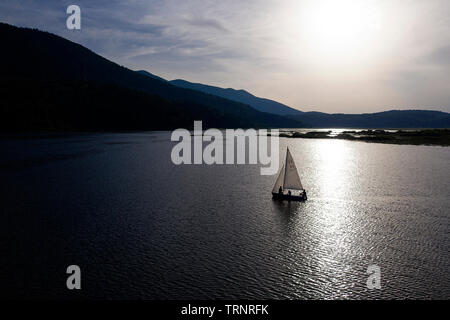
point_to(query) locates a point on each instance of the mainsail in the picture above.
(291, 177)
(288, 177)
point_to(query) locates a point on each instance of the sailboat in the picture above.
(288, 185)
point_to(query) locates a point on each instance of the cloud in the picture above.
(206, 23)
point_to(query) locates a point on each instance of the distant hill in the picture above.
(386, 119)
(34, 59)
(260, 104)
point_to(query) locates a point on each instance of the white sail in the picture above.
(291, 177)
(280, 181)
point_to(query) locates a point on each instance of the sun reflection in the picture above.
(335, 161)
(333, 158)
(327, 219)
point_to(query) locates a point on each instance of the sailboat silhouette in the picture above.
(288, 185)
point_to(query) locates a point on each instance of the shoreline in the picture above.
(432, 137)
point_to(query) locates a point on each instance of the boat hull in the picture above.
(282, 196)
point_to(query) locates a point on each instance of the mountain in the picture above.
(260, 104)
(29, 106)
(151, 75)
(386, 119)
(64, 70)
(50, 83)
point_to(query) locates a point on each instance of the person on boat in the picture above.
(280, 190)
(305, 197)
(289, 193)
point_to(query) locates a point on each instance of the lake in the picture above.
(141, 227)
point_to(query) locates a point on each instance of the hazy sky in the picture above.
(325, 55)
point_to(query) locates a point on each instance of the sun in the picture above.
(333, 27)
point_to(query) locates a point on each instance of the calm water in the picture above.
(141, 227)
